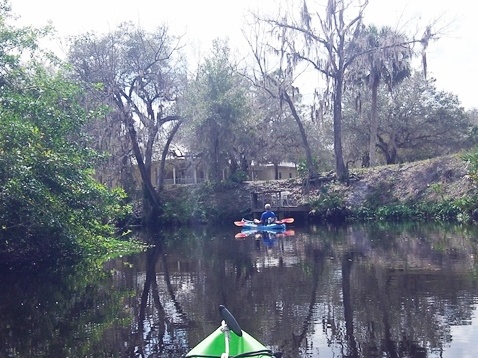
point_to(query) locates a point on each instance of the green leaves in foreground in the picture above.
(50, 204)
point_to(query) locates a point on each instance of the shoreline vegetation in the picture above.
(441, 189)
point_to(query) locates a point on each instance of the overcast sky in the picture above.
(450, 59)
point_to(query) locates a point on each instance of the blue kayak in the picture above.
(249, 225)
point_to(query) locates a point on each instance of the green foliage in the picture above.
(217, 108)
(50, 204)
(329, 205)
(186, 205)
(175, 213)
(446, 210)
(238, 176)
(438, 189)
(303, 170)
(205, 203)
(471, 158)
(416, 121)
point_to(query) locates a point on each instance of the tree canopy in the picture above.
(217, 109)
(416, 121)
(139, 75)
(50, 204)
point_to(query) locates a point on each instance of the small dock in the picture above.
(281, 203)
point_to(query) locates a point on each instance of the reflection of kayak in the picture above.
(248, 232)
(229, 341)
(269, 239)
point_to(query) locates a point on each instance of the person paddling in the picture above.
(268, 216)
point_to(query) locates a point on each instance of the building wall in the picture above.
(181, 171)
(267, 172)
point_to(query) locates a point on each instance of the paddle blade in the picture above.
(285, 221)
(289, 232)
(239, 223)
(230, 320)
(240, 235)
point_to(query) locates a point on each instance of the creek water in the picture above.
(368, 290)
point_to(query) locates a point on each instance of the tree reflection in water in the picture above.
(153, 326)
(375, 290)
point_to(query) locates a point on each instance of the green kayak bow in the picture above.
(222, 343)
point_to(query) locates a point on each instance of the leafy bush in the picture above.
(303, 170)
(50, 204)
(443, 211)
(329, 206)
(471, 158)
(238, 176)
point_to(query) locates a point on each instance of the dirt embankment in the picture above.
(428, 180)
(432, 180)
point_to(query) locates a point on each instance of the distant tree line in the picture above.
(132, 97)
(370, 106)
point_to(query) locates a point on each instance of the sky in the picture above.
(450, 59)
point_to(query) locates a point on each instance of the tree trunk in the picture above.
(373, 121)
(339, 158)
(392, 157)
(162, 167)
(244, 163)
(303, 135)
(216, 171)
(151, 201)
(388, 150)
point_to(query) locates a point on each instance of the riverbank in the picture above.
(429, 182)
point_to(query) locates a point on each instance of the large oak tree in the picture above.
(139, 75)
(416, 121)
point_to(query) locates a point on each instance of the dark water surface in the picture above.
(378, 290)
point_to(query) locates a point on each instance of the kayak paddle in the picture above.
(285, 221)
(257, 221)
(230, 320)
